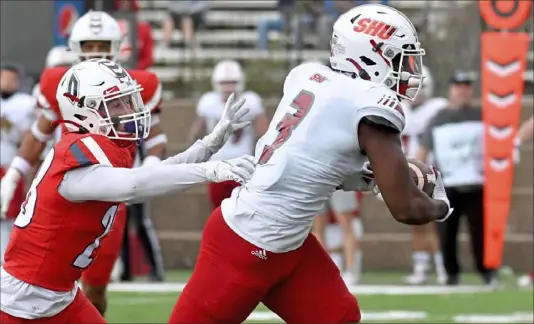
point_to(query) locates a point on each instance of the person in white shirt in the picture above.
(228, 78)
(331, 127)
(339, 228)
(16, 115)
(425, 241)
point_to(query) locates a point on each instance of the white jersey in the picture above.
(211, 106)
(417, 120)
(17, 115)
(310, 148)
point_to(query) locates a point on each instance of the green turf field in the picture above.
(381, 297)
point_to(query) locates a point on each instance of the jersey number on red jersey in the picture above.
(85, 258)
(302, 103)
(28, 206)
(27, 211)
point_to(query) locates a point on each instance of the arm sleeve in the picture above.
(196, 153)
(104, 183)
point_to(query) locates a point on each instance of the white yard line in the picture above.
(520, 317)
(357, 290)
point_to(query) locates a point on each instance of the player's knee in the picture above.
(97, 295)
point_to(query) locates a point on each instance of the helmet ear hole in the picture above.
(80, 117)
(367, 61)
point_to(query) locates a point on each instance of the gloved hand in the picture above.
(359, 181)
(440, 194)
(8, 185)
(232, 119)
(239, 169)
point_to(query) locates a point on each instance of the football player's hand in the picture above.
(8, 185)
(239, 169)
(440, 194)
(232, 119)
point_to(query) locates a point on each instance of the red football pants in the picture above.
(99, 272)
(220, 191)
(229, 281)
(79, 311)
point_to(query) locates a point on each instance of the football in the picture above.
(422, 175)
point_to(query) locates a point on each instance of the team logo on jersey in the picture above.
(375, 28)
(68, 15)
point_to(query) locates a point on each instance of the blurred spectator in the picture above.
(339, 229)
(16, 117)
(455, 139)
(525, 134)
(285, 7)
(425, 241)
(189, 16)
(303, 16)
(145, 42)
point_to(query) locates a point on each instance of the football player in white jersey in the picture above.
(228, 78)
(425, 242)
(16, 117)
(330, 121)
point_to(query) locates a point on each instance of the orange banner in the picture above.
(504, 59)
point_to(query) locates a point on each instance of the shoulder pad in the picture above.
(152, 90)
(48, 84)
(88, 149)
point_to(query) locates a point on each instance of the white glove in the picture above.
(8, 186)
(239, 169)
(440, 194)
(232, 119)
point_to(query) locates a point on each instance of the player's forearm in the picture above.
(156, 143)
(424, 210)
(29, 153)
(102, 183)
(196, 153)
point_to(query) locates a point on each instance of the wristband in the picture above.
(40, 136)
(21, 165)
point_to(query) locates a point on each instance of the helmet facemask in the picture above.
(405, 76)
(121, 112)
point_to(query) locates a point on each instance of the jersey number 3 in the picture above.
(302, 103)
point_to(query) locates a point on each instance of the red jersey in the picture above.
(50, 78)
(54, 240)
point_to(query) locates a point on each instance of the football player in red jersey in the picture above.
(95, 35)
(73, 201)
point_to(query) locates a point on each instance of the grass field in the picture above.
(382, 299)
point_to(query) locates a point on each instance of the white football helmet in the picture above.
(228, 77)
(379, 44)
(60, 56)
(100, 97)
(96, 26)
